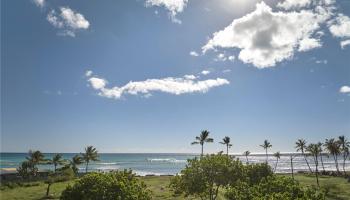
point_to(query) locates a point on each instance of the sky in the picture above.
(149, 75)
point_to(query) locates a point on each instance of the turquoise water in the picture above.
(141, 164)
(162, 164)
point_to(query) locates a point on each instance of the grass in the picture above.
(339, 188)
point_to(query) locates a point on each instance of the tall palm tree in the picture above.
(90, 154)
(278, 156)
(203, 138)
(226, 141)
(301, 146)
(320, 144)
(333, 147)
(344, 147)
(266, 146)
(76, 160)
(35, 158)
(314, 150)
(56, 160)
(246, 154)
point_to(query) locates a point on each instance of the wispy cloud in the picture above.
(171, 85)
(344, 43)
(223, 57)
(205, 72)
(193, 53)
(68, 21)
(173, 6)
(266, 37)
(39, 3)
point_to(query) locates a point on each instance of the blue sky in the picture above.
(148, 76)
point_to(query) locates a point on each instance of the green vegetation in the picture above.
(107, 186)
(338, 188)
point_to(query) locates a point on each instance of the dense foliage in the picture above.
(273, 187)
(203, 177)
(206, 176)
(107, 186)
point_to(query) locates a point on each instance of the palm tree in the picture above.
(266, 145)
(90, 154)
(278, 156)
(246, 154)
(226, 141)
(203, 138)
(301, 146)
(76, 160)
(333, 147)
(35, 158)
(56, 160)
(320, 144)
(345, 145)
(314, 150)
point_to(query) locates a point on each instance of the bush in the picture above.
(256, 172)
(273, 187)
(107, 186)
(203, 177)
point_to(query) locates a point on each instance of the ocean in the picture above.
(164, 163)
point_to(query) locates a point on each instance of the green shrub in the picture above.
(256, 172)
(273, 187)
(203, 177)
(107, 186)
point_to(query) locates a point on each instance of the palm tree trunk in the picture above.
(267, 157)
(316, 165)
(291, 165)
(202, 150)
(227, 150)
(247, 159)
(55, 166)
(48, 189)
(275, 166)
(322, 163)
(344, 156)
(87, 165)
(306, 161)
(336, 162)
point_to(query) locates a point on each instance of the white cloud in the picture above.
(193, 53)
(190, 77)
(68, 21)
(344, 89)
(97, 83)
(307, 44)
(265, 37)
(292, 4)
(322, 61)
(173, 6)
(231, 58)
(145, 88)
(88, 73)
(222, 57)
(205, 72)
(341, 26)
(302, 4)
(226, 71)
(344, 43)
(39, 3)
